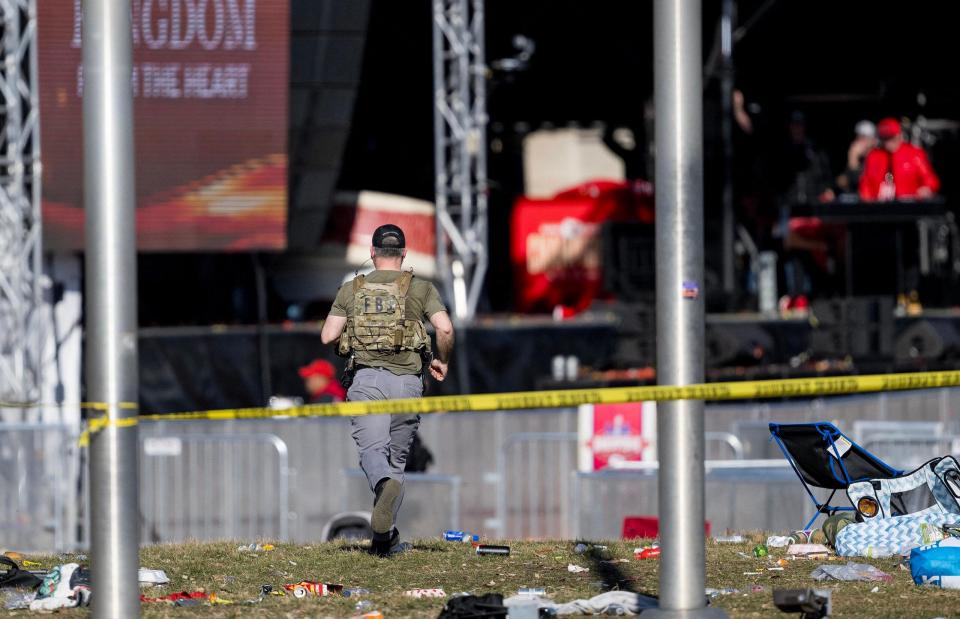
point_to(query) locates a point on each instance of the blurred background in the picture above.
(272, 139)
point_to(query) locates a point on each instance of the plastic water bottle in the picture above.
(767, 282)
(460, 536)
(355, 592)
(531, 592)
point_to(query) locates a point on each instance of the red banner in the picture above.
(611, 435)
(556, 244)
(211, 82)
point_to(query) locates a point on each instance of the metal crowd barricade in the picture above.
(431, 503)
(214, 486)
(727, 439)
(740, 495)
(910, 452)
(39, 464)
(535, 499)
(534, 496)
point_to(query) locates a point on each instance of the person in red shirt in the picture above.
(897, 169)
(319, 382)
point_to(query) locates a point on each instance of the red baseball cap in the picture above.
(317, 367)
(888, 128)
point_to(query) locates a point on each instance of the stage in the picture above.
(193, 368)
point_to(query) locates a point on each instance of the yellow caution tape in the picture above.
(96, 424)
(745, 390)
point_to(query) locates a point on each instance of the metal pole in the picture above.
(440, 147)
(727, 23)
(111, 313)
(678, 98)
(263, 338)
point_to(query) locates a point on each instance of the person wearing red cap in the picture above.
(318, 381)
(896, 169)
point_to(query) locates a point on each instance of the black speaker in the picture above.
(927, 342)
(629, 260)
(636, 332)
(737, 344)
(858, 327)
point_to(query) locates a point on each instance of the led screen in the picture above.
(210, 82)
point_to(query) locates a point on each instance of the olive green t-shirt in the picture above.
(423, 301)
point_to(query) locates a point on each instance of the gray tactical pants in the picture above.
(384, 440)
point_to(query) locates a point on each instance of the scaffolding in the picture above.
(460, 151)
(20, 239)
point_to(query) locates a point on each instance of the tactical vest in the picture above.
(379, 323)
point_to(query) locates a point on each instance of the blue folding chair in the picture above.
(824, 457)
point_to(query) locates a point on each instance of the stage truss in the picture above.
(20, 238)
(460, 151)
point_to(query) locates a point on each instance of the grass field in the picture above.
(237, 576)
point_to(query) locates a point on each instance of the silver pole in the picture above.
(111, 312)
(727, 19)
(440, 146)
(678, 98)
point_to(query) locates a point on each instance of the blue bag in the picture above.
(937, 564)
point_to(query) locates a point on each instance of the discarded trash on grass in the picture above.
(729, 539)
(18, 600)
(425, 593)
(150, 578)
(937, 564)
(779, 541)
(180, 598)
(255, 547)
(355, 592)
(850, 571)
(811, 602)
(596, 551)
(65, 586)
(609, 603)
(532, 591)
(712, 593)
(576, 569)
(810, 551)
(305, 587)
(460, 536)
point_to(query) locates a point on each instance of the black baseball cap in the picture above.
(389, 235)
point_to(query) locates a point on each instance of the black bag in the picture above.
(15, 577)
(489, 606)
(419, 457)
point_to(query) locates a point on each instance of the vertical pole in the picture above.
(263, 338)
(727, 19)
(478, 142)
(678, 98)
(111, 313)
(441, 142)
